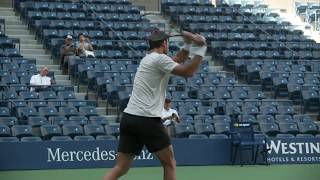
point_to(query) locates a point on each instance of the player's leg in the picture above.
(122, 166)
(166, 157)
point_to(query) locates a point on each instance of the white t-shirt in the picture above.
(40, 80)
(166, 113)
(150, 84)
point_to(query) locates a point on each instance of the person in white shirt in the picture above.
(141, 123)
(40, 79)
(169, 116)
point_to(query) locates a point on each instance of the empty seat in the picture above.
(288, 128)
(80, 120)
(48, 111)
(31, 139)
(61, 138)
(100, 120)
(4, 112)
(84, 138)
(88, 111)
(307, 136)
(308, 127)
(50, 130)
(9, 121)
(21, 130)
(204, 128)
(270, 129)
(105, 137)
(9, 139)
(58, 120)
(37, 121)
(4, 131)
(222, 128)
(285, 136)
(94, 130)
(218, 136)
(72, 130)
(184, 130)
(113, 129)
(198, 136)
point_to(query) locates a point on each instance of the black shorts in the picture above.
(139, 131)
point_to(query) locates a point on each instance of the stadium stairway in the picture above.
(30, 47)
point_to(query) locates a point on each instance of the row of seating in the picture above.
(71, 130)
(271, 129)
(242, 28)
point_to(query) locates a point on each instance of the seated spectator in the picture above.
(40, 81)
(84, 47)
(67, 51)
(169, 117)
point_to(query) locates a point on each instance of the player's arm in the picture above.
(188, 69)
(181, 56)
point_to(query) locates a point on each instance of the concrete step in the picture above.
(80, 95)
(56, 71)
(10, 27)
(25, 42)
(13, 22)
(6, 9)
(50, 67)
(25, 37)
(61, 77)
(33, 51)
(27, 55)
(7, 13)
(44, 62)
(64, 82)
(13, 32)
(10, 17)
(31, 46)
(101, 110)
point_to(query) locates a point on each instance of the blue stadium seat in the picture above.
(106, 137)
(84, 138)
(113, 129)
(222, 128)
(271, 129)
(21, 131)
(48, 131)
(79, 120)
(94, 130)
(308, 128)
(68, 111)
(218, 136)
(204, 128)
(289, 128)
(61, 138)
(72, 130)
(37, 121)
(48, 111)
(184, 130)
(31, 139)
(198, 136)
(9, 121)
(4, 131)
(9, 139)
(4, 112)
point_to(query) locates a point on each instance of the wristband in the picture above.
(198, 50)
(187, 46)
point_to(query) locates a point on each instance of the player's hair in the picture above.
(156, 44)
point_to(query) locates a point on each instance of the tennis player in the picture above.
(141, 124)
